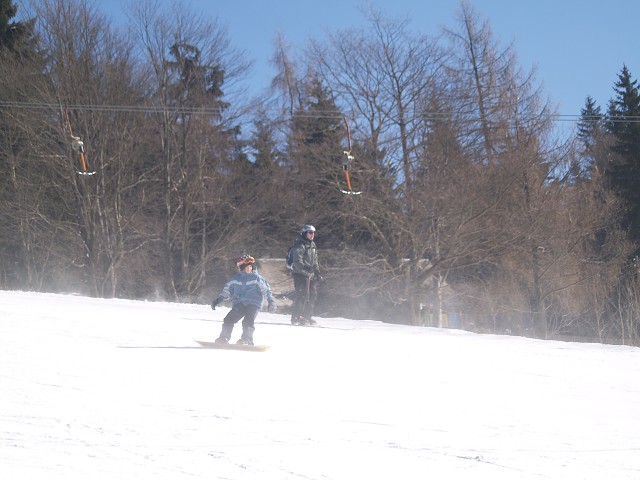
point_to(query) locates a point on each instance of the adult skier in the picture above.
(247, 290)
(306, 275)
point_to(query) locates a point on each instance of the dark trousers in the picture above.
(305, 297)
(247, 313)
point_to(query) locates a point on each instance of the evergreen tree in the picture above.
(196, 140)
(265, 179)
(624, 123)
(590, 123)
(590, 134)
(315, 150)
(15, 37)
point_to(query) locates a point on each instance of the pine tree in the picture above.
(624, 123)
(590, 123)
(590, 134)
(15, 37)
(315, 148)
(317, 135)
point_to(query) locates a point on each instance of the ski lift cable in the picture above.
(336, 114)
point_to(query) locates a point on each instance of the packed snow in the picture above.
(119, 389)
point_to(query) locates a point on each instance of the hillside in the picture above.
(107, 389)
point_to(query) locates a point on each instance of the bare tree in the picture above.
(86, 146)
(474, 155)
(287, 80)
(28, 235)
(384, 76)
(190, 61)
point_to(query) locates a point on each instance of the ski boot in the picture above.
(225, 334)
(247, 336)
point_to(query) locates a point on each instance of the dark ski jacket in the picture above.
(305, 257)
(248, 289)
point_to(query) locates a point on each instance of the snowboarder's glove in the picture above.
(215, 303)
(273, 308)
(317, 276)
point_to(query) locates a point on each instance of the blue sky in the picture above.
(577, 46)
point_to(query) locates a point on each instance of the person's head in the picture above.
(245, 263)
(308, 232)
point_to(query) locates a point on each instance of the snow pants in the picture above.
(305, 298)
(247, 313)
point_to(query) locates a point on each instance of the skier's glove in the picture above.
(317, 276)
(215, 303)
(273, 308)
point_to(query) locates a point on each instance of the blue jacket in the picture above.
(248, 289)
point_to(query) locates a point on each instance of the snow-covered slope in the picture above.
(115, 389)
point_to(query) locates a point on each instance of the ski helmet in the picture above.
(308, 228)
(245, 260)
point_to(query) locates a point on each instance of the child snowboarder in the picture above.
(247, 290)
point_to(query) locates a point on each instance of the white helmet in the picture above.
(308, 228)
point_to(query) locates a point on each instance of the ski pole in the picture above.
(308, 297)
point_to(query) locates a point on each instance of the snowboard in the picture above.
(234, 346)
